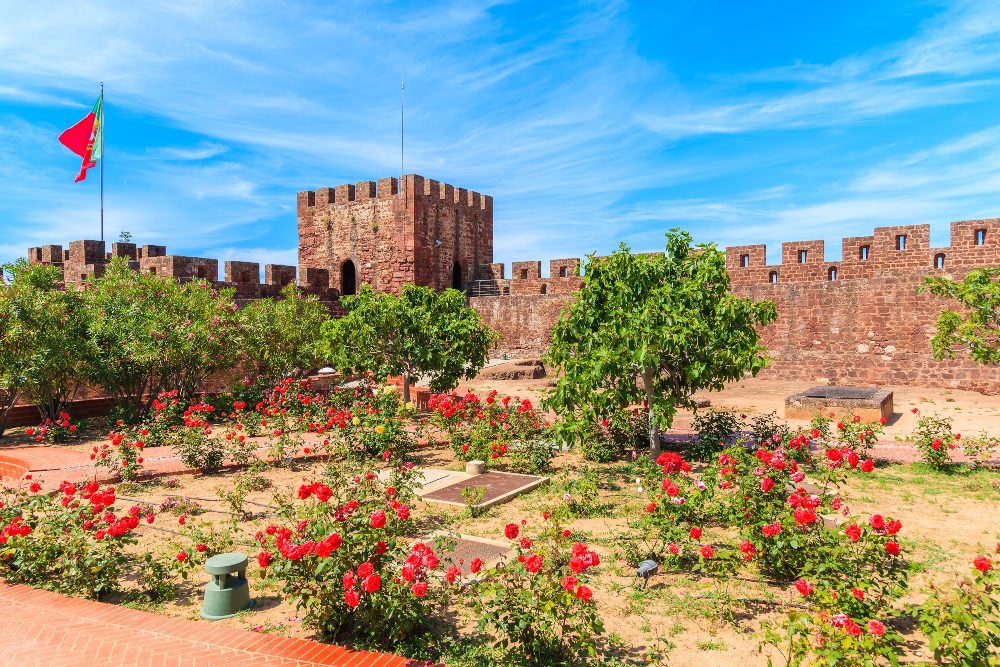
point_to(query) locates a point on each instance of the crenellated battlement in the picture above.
(85, 260)
(413, 185)
(889, 251)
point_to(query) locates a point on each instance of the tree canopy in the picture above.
(652, 330)
(975, 330)
(153, 333)
(279, 336)
(44, 347)
(420, 332)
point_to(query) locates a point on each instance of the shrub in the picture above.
(492, 429)
(980, 448)
(934, 439)
(44, 347)
(539, 607)
(818, 638)
(281, 336)
(626, 430)
(60, 429)
(153, 334)
(961, 624)
(717, 430)
(850, 431)
(346, 562)
(69, 541)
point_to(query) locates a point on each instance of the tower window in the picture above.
(901, 242)
(802, 256)
(744, 261)
(545, 288)
(863, 252)
(563, 272)
(980, 237)
(772, 277)
(456, 276)
(524, 274)
(939, 260)
(348, 278)
(832, 274)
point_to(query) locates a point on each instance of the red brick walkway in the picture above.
(43, 629)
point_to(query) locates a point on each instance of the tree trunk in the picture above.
(406, 387)
(654, 438)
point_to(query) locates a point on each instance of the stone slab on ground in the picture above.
(42, 628)
(500, 487)
(469, 547)
(869, 403)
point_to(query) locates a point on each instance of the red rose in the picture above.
(511, 531)
(584, 593)
(766, 484)
(892, 548)
(858, 593)
(569, 582)
(377, 519)
(853, 532)
(867, 466)
(983, 564)
(706, 551)
(201, 548)
(264, 559)
(182, 556)
(476, 565)
(352, 598)
(695, 533)
(533, 563)
(804, 587)
(372, 583)
(876, 628)
(420, 589)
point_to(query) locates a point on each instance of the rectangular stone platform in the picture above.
(870, 403)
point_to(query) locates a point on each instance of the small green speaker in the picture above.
(228, 592)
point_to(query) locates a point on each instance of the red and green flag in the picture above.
(86, 138)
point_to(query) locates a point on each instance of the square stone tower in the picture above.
(427, 233)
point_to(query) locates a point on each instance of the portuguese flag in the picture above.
(86, 138)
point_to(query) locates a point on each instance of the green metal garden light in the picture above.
(227, 593)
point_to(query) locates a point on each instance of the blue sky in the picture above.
(591, 123)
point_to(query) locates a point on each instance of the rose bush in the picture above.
(539, 607)
(346, 561)
(505, 431)
(71, 541)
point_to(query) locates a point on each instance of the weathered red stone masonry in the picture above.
(855, 320)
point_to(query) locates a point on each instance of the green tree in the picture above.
(977, 329)
(420, 332)
(44, 348)
(652, 329)
(153, 334)
(278, 336)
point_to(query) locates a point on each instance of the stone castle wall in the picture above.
(857, 319)
(854, 320)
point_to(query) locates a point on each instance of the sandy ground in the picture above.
(969, 411)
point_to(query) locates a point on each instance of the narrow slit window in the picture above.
(901, 242)
(863, 252)
(744, 261)
(832, 274)
(802, 256)
(524, 274)
(772, 277)
(980, 237)
(563, 272)
(939, 260)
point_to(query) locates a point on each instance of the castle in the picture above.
(854, 320)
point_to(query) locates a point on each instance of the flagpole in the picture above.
(402, 93)
(102, 161)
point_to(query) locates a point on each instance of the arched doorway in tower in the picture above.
(348, 279)
(456, 276)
